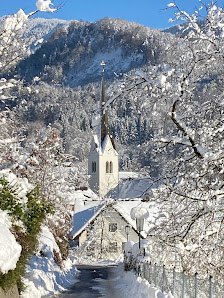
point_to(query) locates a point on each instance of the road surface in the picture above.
(93, 282)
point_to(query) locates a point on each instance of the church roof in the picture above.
(105, 127)
(101, 149)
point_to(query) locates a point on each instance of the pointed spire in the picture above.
(105, 128)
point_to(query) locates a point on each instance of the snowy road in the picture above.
(94, 282)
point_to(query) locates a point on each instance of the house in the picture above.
(99, 231)
(103, 157)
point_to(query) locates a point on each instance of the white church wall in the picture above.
(102, 181)
(107, 180)
(94, 177)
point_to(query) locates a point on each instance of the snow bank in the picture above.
(10, 250)
(44, 276)
(131, 249)
(128, 284)
(47, 243)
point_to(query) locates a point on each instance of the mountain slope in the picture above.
(39, 30)
(72, 56)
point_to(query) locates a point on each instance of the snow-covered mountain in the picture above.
(38, 30)
(73, 53)
(69, 58)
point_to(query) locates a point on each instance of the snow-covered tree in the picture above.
(38, 157)
(186, 97)
(13, 46)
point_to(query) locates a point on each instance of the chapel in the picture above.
(103, 163)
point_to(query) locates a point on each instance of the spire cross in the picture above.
(103, 65)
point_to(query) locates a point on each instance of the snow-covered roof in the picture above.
(86, 212)
(100, 149)
(129, 195)
(79, 196)
(124, 207)
(129, 175)
(82, 218)
(97, 143)
(135, 188)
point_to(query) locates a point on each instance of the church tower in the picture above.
(103, 157)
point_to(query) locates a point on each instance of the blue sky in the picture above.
(150, 13)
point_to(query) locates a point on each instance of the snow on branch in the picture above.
(171, 5)
(11, 23)
(184, 131)
(173, 140)
(45, 5)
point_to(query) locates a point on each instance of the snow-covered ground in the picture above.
(128, 284)
(10, 250)
(44, 277)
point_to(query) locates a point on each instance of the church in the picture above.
(103, 164)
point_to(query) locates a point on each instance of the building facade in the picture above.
(105, 235)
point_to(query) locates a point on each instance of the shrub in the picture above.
(9, 200)
(32, 213)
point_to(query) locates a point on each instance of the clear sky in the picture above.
(151, 13)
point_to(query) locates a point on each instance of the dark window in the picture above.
(93, 167)
(107, 167)
(111, 167)
(113, 247)
(112, 227)
(90, 250)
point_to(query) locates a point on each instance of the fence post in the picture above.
(163, 279)
(210, 286)
(155, 272)
(139, 268)
(196, 285)
(183, 285)
(174, 278)
(150, 272)
(145, 270)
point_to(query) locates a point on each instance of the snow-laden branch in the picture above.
(12, 46)
(184, 131)
(45, 5)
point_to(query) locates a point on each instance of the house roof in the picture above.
(82, 218)
(129, 195)
(131, 188)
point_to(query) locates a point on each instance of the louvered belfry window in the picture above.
(107, 167)
(111, 167)
(93, 167)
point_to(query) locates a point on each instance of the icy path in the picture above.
(93, 281)
(110, 282)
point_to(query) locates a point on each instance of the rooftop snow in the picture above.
(83, 218)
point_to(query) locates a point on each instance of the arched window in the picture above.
(93, 167)
(111, 167)
(107, 167)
